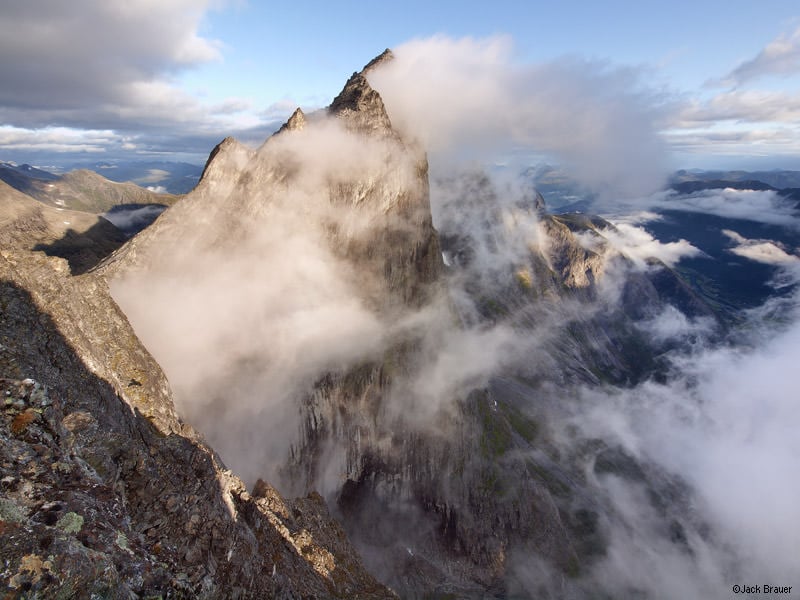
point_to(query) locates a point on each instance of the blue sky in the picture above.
(306, 51)
(140, 79)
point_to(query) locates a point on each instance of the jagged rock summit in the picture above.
(360, 105)
(295, 301)
(106, 491)
(371, 170)
(296, 121)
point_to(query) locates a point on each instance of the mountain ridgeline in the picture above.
(338, 353)
(321, 334)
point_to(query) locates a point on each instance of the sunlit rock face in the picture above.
(287, 265)
(300, 305)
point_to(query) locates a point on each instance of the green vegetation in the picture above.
(555, 485)
(495, 431)
(526, 427)
(70, 523)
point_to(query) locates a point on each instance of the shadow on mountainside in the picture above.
(96, 501)
(83, 251)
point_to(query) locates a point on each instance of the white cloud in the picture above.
(638, 245)
(762, 206)
(467, 97)
(671, 323)
(779, 57)
(112, 66)
(93, 51)
(767, 140)
(763, 251)
(750, 106)
(58, 139)
(745, 120)
(728, 428)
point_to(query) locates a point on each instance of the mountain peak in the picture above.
(360, 105)
(382, 58)
(232, 150)
(296, 122)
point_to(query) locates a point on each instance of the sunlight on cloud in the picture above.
(470, 99)
(764, 251)
(57, 139)
(762, 206)
(639, 245)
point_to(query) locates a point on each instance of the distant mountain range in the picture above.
(160, 176)
(778, 179)
(155, 176)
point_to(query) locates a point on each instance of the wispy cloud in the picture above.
(780, 57)
(744, 118)
(764, 251)
(744, 106)
(761, 206)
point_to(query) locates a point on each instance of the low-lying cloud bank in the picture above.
(720, 436)
(726, 425)
(761, 206)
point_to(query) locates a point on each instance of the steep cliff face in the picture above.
(298, 302)
(329, 219)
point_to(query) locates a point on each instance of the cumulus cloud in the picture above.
(764, 251)
(89, 66)
(467, 97)
(638, 245)
(93, 52)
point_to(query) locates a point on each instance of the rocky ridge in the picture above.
(105, 490)
(480, 480)
(83, 239)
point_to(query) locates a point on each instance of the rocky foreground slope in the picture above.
(105, 493)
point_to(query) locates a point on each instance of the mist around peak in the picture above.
(469, 98)
(308, 273)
